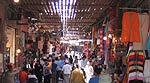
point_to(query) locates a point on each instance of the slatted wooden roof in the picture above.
(85, 12)
(80, 13)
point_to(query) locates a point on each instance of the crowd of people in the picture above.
(69, 69)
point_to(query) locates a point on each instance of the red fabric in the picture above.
(23, 76)
(141, 56)
(130, 27)
(101, 41)
(133, 62)
(131, 57)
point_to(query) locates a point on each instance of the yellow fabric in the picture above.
(58, 55)
(136, 67)
(132, 53)
(49, 65)
(77, 76)
(141, 53)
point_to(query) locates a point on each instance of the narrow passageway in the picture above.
(74, 41)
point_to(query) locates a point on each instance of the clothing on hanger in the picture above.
(135, 68)
(148, 40)
(144, 24)
(130, 27)
(146, 71)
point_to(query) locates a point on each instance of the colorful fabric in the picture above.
(134, 70)
(144, 24)
(23, 76)
(130, 27)
(136, 78)
(134, 59)
(135, 65)
(148, 44)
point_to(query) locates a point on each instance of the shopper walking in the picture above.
(54, 71)
(77, 76)
(39, 71)
(58, 69)
(96, 78)
(105, 76)
(75, 61)
(83, 63)
(32, 77)
(46, 72)
(23, 75)
(10, 74)
(67, 68)
(89, 71)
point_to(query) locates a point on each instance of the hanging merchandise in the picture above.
(135, 68)
(144, 24)
(101, 41)
(94, 31)
(148, 41)
(146, 71)
(105, 43)
(130, 27)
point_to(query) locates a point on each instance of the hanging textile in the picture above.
(105, 43)
(94, 33)
(148, 43)
(148, 40)
(135, 66)
(101, 41)
(144, 24)
(130, 27)
(147, 71)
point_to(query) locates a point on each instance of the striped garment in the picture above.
(135, 65)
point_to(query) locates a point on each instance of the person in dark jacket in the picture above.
(54, 71)
(32, 77)
(39, 71)
(47, 72)
(70, 59)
